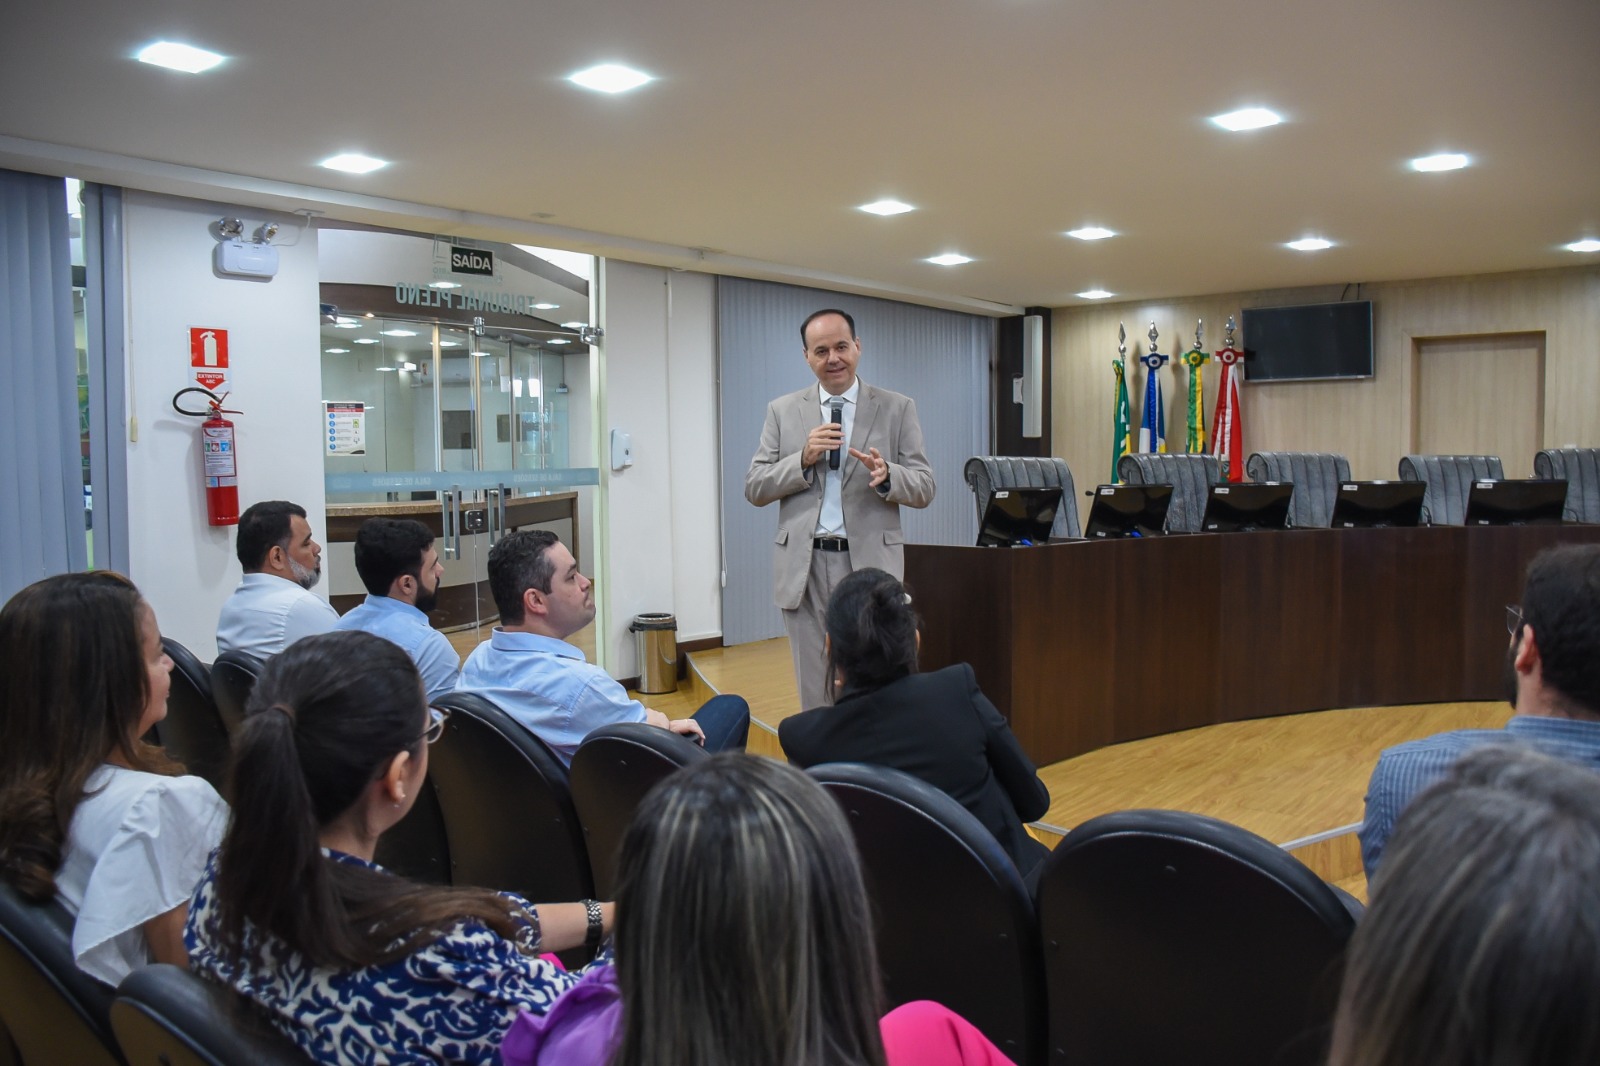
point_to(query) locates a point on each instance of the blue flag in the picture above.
(1153, 426)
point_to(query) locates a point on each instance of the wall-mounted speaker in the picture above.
(1033, 376)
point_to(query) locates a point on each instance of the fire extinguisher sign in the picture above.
(208, 357)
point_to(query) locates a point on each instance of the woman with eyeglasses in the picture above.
(355, 964)
(90, 814)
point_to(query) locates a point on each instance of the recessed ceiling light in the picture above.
(949, 259)
(449, 344)
(408, 366)
(347, 323)
(386, 369)
(886, 207)
(444, 285)
(1309, 244)
(573, 325)
(545, 307)
(398, 332)
(175, 56)
(479, 355)
(1091, 233)
(337, 351)
(610, 78)
(353, 163)
(1095, 294)
(1588, 244)
(1250, 118)
(366, 340)
(558, 340)
(1443, 161)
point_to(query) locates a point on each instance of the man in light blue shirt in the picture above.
(401, 569)
(1552, 678)
(273, 606)
(528, 668)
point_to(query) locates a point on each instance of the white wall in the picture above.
(661, 516)
(184, 567)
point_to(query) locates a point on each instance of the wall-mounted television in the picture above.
(1311, 342)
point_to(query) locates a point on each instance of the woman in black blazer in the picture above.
(939, 726)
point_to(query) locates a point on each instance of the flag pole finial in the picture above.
(1153, 335)
(1199, 334)
(1229, 327)
(1122, 341)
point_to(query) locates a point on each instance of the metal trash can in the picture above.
(656, 640)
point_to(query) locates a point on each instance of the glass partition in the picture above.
(450, 398)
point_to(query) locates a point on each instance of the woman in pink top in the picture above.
(743, 935)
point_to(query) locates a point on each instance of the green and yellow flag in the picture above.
(1121, 425)
(1195, 440)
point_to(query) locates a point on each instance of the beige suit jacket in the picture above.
(884, 420)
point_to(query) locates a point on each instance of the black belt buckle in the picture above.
(830, 544)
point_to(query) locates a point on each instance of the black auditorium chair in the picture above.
(418, 845)
(986, 473)
(1173, 938)
(1316, 477)
(1191, 478)
(611, 771)
(954, 922)
(507, 805)
(55, 1012)
(233, 678)
(166, 1016)
(1448, 480)
(1580, 469)
(193, 732)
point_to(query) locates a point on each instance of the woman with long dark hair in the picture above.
(937, 726)
(90, 813)
(355, 964)
(1482, 944)
(744, 936)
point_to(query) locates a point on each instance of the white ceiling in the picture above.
(1004, 121)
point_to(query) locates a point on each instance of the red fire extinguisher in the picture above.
(219, 455)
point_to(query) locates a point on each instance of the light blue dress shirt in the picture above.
(830, 519)
(1404, 770)
(548, 686)
(400, 623)
(267, 613)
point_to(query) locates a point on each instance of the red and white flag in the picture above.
(1227, 433)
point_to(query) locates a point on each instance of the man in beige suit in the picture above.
(834, 517)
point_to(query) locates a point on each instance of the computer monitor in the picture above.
(1526, 502)
(1247, 506)
(1128, 511)
(1015, 518)
(1378, 504)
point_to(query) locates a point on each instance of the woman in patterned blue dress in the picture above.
(355, 964)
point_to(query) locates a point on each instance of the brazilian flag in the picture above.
(1121, 424)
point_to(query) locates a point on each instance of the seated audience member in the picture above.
(90, 813)
(1552, 679)
(939, 726)
(528, 668)
(401, 569)
(744, 935)
(1482, 943)
(355, 964)
(273, 606)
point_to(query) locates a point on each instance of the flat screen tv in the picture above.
(1312, 342)
(1377, 504)
(1128, 511)
(1017, 518)
(1247, 506)
(1520, 502)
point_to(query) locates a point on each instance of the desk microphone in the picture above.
(838, 420)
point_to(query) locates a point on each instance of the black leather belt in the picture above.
(830, 544)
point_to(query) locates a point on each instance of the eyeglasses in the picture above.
(437, 717)
(1513, 618)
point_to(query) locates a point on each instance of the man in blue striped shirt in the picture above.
(1552, 679)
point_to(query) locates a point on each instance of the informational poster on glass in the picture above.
(345, 425)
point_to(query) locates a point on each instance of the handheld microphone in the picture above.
(838, 420)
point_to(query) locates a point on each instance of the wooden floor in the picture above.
(1297, 780)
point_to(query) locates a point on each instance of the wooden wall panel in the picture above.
(1371, 421)
(1481, 396)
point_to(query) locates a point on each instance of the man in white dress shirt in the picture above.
(401, 569)
(834, 516)
(273, 606)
